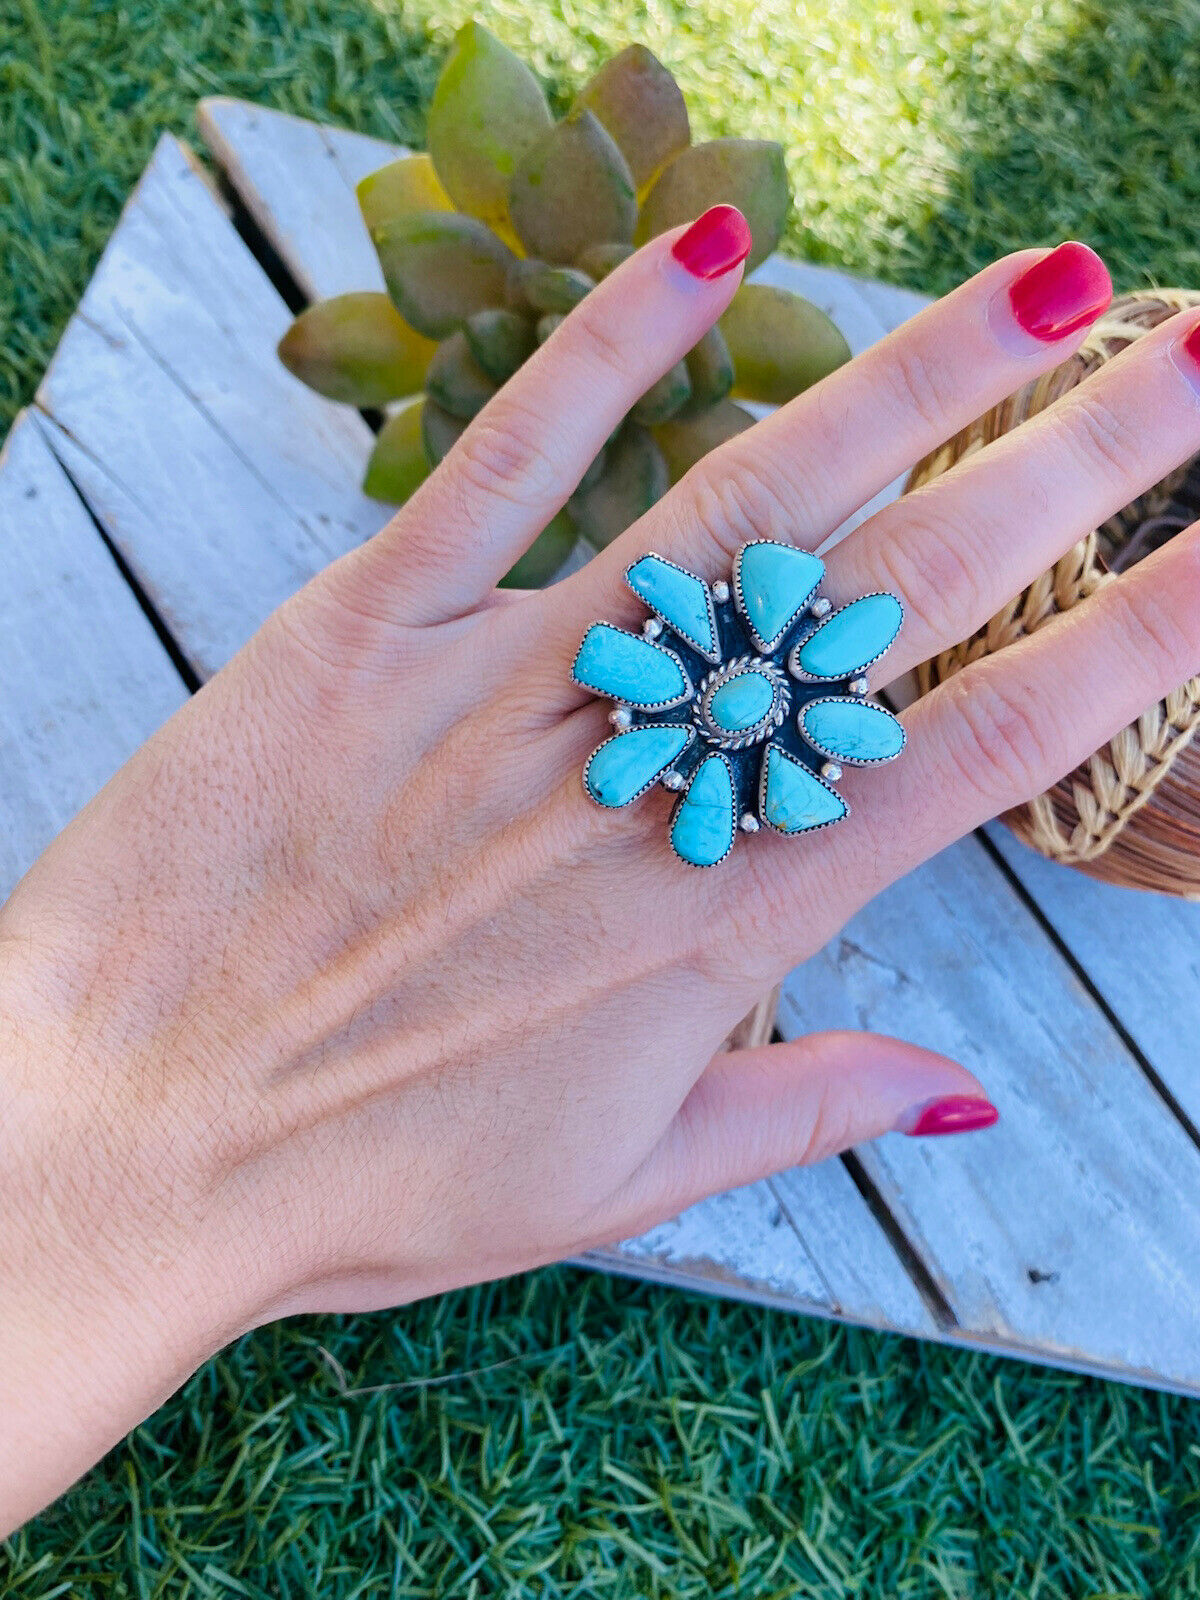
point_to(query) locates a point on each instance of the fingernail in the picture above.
(1189, 349)
(953, 1113)
(1061, 293)
(714, 244)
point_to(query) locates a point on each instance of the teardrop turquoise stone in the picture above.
(679, 598)
(702, 829)
(852, 730)
(629, 668)
(852, 637)
(741, 702)
(775, 583)
(796, 798)
(625, 765)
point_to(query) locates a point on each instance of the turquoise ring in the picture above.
(744, 699)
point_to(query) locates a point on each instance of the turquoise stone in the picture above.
(624, 766)
(679, 598)
(852, 730)
(795, 798)
(852, 638)
(775, 582)
(702, 828)
(743, 701)
(629, 668)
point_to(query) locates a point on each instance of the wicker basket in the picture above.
(1130, 814)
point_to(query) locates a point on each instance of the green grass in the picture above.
(563, 1434)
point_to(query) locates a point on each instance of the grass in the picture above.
(563, 1434)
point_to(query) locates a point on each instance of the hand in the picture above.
(343, 992)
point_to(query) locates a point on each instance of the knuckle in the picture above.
(1158, 642)
(598, 341)
(921, 383)
(927, 561)
(503, 458)
(739, 498)
(1105, 439)
(1002, 736)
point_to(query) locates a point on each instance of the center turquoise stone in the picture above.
(742, 702)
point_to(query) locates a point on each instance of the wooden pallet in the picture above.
(172, 483)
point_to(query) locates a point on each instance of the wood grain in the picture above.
(83, 677)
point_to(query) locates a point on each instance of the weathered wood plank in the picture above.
(296, 179)
(1141, 951)
(223, 481)
(83, 678)
(1074, 1225)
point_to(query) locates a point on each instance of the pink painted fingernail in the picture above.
(953, 1113)
(1061, 293)
(714, 244)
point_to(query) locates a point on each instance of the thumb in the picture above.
(756, 1112)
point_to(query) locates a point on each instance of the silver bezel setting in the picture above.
(838, 755)
(626, 700)
(684, 727)
(762, 797)
(767, 647)
(713, 655)
(702, 866)
(793, 659)
(760, 730)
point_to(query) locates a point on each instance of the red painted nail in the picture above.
(1192, 344)
(1061, 293)
(955, 1113)
(714, 244)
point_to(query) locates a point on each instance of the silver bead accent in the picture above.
(821, 607)
(672, 780)
(832, 771)
(652, 627)
(621, 718)
(857, 686)
(749, 822)
(720, 591)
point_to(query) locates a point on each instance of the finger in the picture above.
(959, 548)
(997, 734)
(798, 474)
(756, 1112)
(524, 454)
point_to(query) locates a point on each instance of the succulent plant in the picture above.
(491, 238)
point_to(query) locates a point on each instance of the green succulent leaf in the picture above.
(456, 381)
(780, 343)
(500, 340)
(398, 462)
(557, 288)
(598, 260)
(642, 107)
(399, 189)
(571, 189)
(544, 556)
(356, 348)
(440, 268)
(547, 324)
(748, 173)
(710, 371)
(684, 440)
(664, 398)
(487, 109)
(635, 476)
(439, 431)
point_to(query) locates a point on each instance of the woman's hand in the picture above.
(343, 992)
